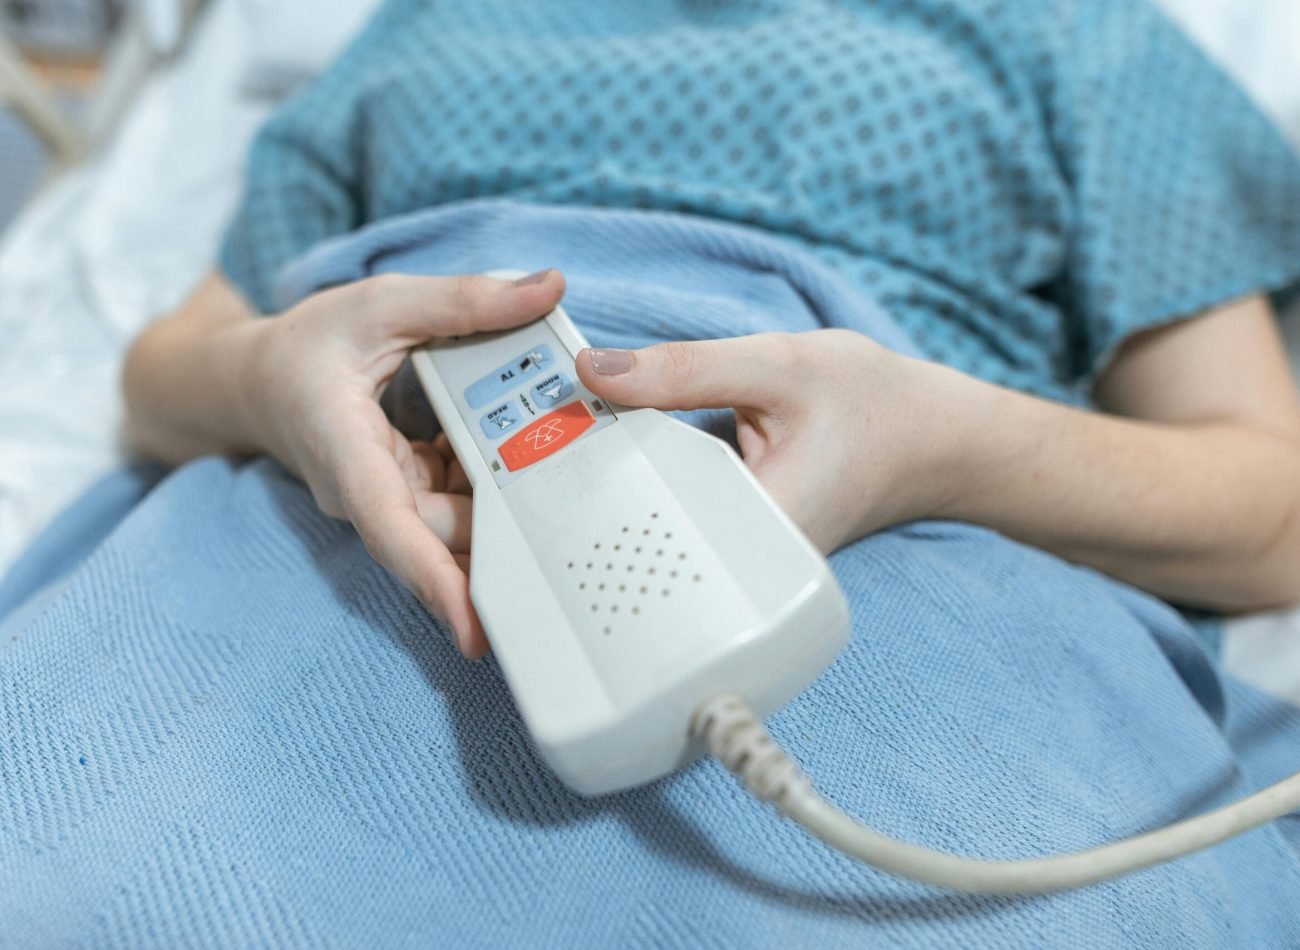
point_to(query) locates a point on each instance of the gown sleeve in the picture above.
(1185, 195)
(304, 171)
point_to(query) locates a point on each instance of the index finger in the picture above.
(749, 372)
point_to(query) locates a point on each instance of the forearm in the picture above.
(1202, 513)
(183, 379)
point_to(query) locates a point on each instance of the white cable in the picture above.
(735, 735)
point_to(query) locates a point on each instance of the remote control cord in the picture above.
(740, 741)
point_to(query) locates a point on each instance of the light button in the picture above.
(504, 418)
(553, 390)
(547, 435)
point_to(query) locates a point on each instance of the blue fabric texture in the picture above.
(231, 728)
(1022, 183)
(72, 536)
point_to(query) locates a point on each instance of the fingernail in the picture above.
(536, 278)
(611, 362)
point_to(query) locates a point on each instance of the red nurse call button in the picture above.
(547, 435)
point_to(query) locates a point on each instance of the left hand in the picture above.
(310, 385)
(841, 431)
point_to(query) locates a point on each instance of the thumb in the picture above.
(406, 310)
(749, 371)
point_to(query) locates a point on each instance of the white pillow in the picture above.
(291, 41)
(1257, 42)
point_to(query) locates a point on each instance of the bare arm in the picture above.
(1190, 490)
(182, 379)
(1188, 487)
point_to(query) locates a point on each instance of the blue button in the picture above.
(509, 375)
(501, 420)
(552, 389)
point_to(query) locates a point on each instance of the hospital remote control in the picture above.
(626, 566)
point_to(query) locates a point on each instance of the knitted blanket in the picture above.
(227, 726)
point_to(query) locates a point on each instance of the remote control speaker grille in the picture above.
(629, 577)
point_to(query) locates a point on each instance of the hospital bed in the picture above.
(123, 236)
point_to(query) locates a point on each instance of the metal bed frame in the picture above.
(151, 32)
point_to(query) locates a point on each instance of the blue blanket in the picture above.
(229, 727)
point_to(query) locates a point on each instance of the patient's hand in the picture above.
(311, 384)
(1187, 486)
(829, 421)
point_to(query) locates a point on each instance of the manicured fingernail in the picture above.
(611, 362)
(536, 278)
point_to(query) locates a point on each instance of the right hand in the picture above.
(311, 384)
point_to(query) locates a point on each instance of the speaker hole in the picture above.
(664, 592)
(582, 586)
(596, 546)
(570, 565)
(594, 608)
(659, 553)
(696, 578)
(636, 610)
(608, 631)
(654, 514)
(600, 587)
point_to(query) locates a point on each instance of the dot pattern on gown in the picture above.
(1023, 183)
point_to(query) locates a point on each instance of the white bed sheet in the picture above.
(110, 246)
(121, 240)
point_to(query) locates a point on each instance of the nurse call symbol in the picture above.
(546, 436)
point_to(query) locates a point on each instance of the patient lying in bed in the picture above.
(965, 275)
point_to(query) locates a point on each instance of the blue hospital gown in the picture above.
(1022, 183)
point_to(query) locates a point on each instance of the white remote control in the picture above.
(626, 566)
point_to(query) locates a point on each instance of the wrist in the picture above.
(243, 352)
(977, 429)
(944, 417)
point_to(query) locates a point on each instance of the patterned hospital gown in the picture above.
(1023, 183)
